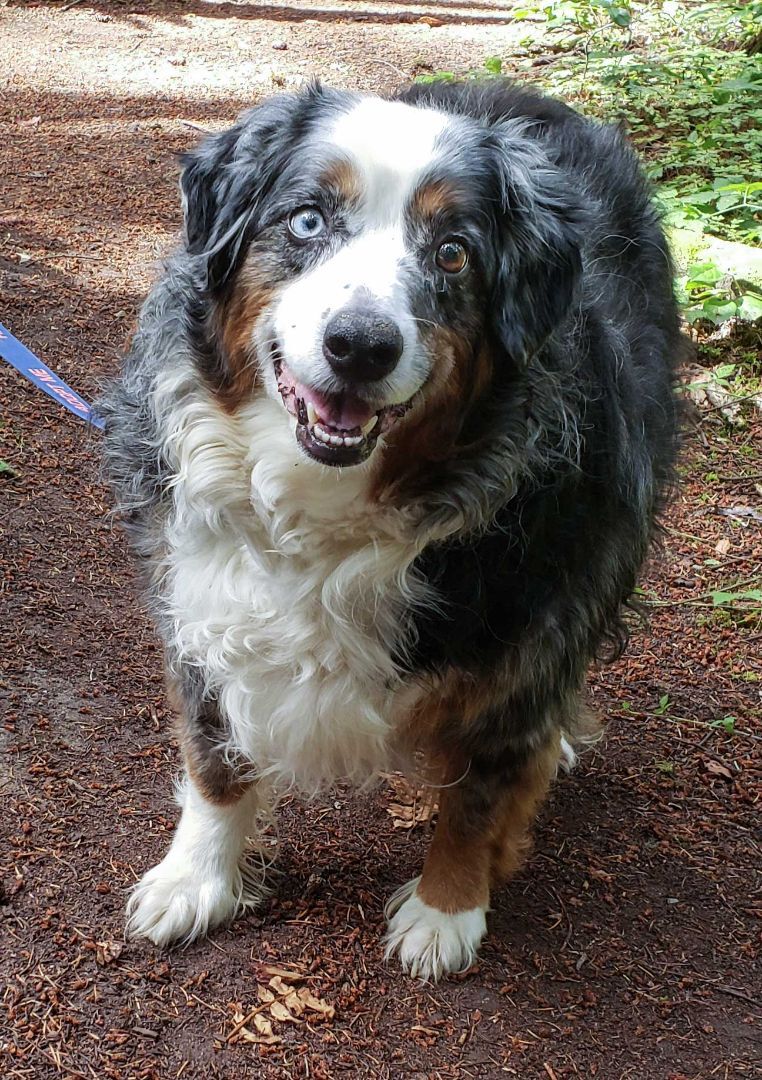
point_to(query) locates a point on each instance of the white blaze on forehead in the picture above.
(391, 144)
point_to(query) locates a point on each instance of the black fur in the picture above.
(593, 316)
(562, 467)
(526, 506)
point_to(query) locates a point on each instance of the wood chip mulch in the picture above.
(628, 946)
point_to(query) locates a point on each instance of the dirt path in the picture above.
(626, 949)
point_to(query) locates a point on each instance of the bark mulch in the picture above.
(626, 948)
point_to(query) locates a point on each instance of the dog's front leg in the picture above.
(205, 878)
(437, 921)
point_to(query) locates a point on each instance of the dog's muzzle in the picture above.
(342, 427)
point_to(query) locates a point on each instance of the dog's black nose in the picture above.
(362, 345)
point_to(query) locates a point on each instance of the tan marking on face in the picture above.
(431, 433)
(432, 200)
(237, 319)
(342, 180)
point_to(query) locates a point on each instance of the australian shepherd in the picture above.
(389, 445)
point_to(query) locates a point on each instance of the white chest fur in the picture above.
(290, 592)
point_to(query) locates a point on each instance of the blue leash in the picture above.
(32, 368)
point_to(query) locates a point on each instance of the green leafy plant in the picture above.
(584, 14)
(687, 90)
(744, 597)
(731, 196)
(727, 723)
(435, 76)
(687, 83)
(663, 707)
(706, 293)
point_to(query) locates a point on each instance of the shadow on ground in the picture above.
(443, 13)
(626, 947)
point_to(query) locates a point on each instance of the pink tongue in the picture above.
(343, 411)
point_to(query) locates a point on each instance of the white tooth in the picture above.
(336, 440)
(322, 434)
(311, 414)
(367, 428)
(352, 440)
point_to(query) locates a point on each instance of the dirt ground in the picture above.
(627, 946)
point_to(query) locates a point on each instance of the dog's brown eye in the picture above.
(452, 257)
(306, 223)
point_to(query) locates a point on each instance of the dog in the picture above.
(390, 446)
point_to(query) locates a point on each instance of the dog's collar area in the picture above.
(339, 429)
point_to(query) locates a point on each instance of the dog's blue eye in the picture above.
(307, 223)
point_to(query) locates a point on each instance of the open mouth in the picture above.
(334, 429)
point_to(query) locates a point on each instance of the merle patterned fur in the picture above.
(541, 517)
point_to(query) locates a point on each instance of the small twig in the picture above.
(736, 993)
(71, 4)
(386, 63)
(690, 536)
(197, 127)
(249, 1016)
(728, 404)
(741, 732)
(687, 602)
(50, 254)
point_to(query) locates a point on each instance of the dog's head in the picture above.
(363, 258)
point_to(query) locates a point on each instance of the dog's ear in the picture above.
(218, 185)
(202, 184)
(539, 231)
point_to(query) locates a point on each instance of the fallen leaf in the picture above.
(722, 547)
(279, 1012)
(280, 988)
(284, 973)
(716, 769)
(294, 1003)
(108, 951)
(411, 806)
(266, 996)
(316, 1004)
(263, 1025)
(263, 1035)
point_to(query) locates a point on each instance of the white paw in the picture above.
(175, 903)
(568, 755)
(430, 943)
(205, 878)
